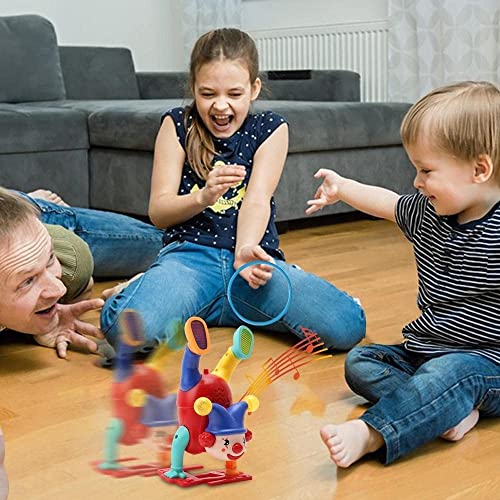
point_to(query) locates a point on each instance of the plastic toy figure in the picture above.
(209, 421)
(140, 401)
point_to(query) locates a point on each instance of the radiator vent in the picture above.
(361, 47)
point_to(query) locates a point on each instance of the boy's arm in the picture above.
(373, 200)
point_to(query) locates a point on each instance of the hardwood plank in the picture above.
(54, 412)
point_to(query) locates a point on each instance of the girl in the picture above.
(216, 167)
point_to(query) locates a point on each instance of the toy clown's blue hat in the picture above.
(227, 420)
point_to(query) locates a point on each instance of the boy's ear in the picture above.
(483, 168)
(256, 87)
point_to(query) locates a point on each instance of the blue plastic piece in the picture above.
(280, 314)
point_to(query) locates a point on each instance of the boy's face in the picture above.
(30, 280)
(450, 183)
(223, 94)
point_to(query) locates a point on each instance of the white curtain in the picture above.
(435, 42)
(200, 16)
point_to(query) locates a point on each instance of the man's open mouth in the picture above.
(49, 310)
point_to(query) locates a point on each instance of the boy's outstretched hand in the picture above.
(71, 330)
(327, 193)
(256, 276)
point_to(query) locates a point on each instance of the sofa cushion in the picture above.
(29, 60)
(25, 128)
(314, 126)
(99, 73)
(324, 126)
(310, 85)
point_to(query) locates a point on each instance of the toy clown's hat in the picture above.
(227, 420)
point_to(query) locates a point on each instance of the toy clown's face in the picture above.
(230, 447)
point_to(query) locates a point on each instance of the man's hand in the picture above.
(327, 193)
(256, 276)
(71, 330)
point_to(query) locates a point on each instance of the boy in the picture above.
(447, 372)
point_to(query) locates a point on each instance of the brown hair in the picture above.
(461, 119)
(14, 212)
(225, 43)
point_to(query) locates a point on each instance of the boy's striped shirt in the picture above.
(458, 269)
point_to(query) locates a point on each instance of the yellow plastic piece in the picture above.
(158, 359)
(226, 366)
(202, 406)
(252, 402)
(136, 398)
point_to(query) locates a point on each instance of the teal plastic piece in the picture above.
(179, 445)
(114, 432)
(242, 342)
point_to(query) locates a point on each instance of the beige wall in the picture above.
(152, 29)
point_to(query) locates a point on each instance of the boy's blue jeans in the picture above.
(191, 280)
(121, 246)
(417, 398)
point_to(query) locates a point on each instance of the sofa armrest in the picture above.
(311, 85)
(162, 84)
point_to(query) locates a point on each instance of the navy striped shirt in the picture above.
(458, 268)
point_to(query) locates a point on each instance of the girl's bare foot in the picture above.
(460, 430)
(44, 194)
(115, 290)
(350, 441)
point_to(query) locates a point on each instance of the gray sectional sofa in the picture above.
(82, 122)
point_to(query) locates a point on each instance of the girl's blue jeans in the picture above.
(121, 246)
(417, 398)
(192, 280)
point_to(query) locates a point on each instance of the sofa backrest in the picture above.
(311, 85)
(98, 73)
(29, 60)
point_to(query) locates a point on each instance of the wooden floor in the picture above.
(54, 412)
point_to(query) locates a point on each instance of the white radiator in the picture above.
(361, 47)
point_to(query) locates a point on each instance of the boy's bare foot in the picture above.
(460, 430)
(115, 290)
(44, 194)
(350, 441)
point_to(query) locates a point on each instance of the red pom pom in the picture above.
(248, 435)
(206, 439)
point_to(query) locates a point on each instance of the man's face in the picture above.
(30, 280)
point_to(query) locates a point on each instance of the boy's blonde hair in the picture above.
(216, 45)
(461, 119)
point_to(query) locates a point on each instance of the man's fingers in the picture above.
(62, 344)
(86, 305)
(88, 329)
(84, 342)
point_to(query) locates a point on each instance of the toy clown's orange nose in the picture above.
(237, 448)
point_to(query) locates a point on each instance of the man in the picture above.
(32, 283)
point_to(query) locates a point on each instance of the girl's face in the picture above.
(223, 94)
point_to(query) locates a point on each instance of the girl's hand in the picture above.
(258, 275)
(219, 180)
(327, 193)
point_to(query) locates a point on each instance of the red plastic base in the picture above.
(144, 470)
(212, 478)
